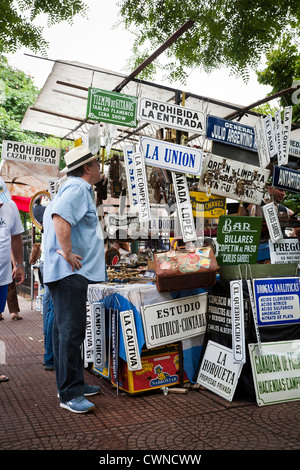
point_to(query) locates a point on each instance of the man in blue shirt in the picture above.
(73, 258)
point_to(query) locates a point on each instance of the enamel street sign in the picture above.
(285, 251)
(270, 135)
(286, 130)
(286, 179)
(273, 224)
(184, 208)
(30, 153)
(218, 373)
(142, 187)
(128, 151)
(112, 107)
(98, 310)
(171, 115)
(261, 141)
(277, 300)
(130, 340)
(237, 316)
(207, 206)
(278, 137)
(174, 320)
(231, 133)
(232, 179)
(276, 371)
(294, 148)
(173, 157)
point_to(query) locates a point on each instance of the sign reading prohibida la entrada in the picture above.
(112, 107)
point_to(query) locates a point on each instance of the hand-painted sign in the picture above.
(171, 115)
(112, 107)
(276, 371)
(173, 157)
(232, 179)
(174, 320)
(184, 208)
(277, 300)
(286, 179)
(229, 132)
(207, 206)
(273, 224)
(130, 340)
(285, 251)
(238, 239)
(218, 373)
(30, 153)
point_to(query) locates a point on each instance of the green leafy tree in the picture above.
(226, 33)
(17, 18)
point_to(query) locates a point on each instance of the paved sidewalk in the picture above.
(31, 418)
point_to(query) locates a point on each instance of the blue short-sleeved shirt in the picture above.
(74, 203)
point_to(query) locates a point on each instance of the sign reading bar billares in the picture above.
(112, 107)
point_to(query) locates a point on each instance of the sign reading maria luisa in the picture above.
(173, 157)
(218, 372)
(276, 372)
(230, 178)
(238, 239)
(171, 115)
(130, 340)
(174, 320)
(30, 153)
(277, 300)
(232, 133)
(286, 179)
(112, 107)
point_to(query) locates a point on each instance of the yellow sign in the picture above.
(78, 142)
(207, 206)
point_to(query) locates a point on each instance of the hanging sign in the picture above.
(238, 327)
(128, 151)
(89, 337)
(130, 340)
(94, 138)
(171, 115)
(174, 320)
(238, 239)
(261, 141)
(254, 315)
(277, 300)
(112, 107)
(232, 179)
(276, 372)
(184, 208)
(30, 153)
(142, 187)
(286, 179)
(285, 251)
(294, 148)
(207, 206)
(286, 130)
(278, 137)
(173, 157)
(273, 224)
(98, 314)
(231, 133)
(270, 136)
(218, 373)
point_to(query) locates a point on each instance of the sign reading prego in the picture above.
(30, 153)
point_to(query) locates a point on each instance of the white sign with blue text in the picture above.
(173, 157)
(277, 300)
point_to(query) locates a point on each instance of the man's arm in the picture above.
(63, 233)
(17, 255)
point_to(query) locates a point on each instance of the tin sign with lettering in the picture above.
(277, 300)
(98, 311)
(184, 208)
(142, 187)
(173, 157)
(128, 152)
(229, 132)
(273, 224)
(285, 251)
(238, 327)
(294, 148)
(30, 153)
(130, 340)
(286, 179)
(261, 141)
(171, 115)
(207, 206)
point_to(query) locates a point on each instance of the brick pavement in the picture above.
(31, 418)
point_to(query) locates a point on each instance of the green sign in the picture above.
(238, 239)
(115, 108)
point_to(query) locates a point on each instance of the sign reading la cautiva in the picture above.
(30, 153)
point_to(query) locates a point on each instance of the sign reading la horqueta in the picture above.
(171, 115)
(173, 157)
(112, 107)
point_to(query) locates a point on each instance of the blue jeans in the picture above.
(48, 319)
(69, 297)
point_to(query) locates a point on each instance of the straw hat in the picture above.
(4, 193)
(78, 156)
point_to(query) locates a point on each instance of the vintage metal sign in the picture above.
(230, 178)
(207, 206)
(98, 311)
(89, 337)
(273, 224)
(286, 130)
(94, 138)
(174, 320)
(142, 187)
(30, 153)
(278, 137)
(218, 373)
(276, 372)
(128, 151)
(294, 148)
(229, 132)
(261, 141)
(238, 239)
(238, 327)
(285, 251)
(171, 115)
(112, 107)
(270, 136)
(130, 340)
(277, 300)
(184, 208)
(173, 157)
(286, 179)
